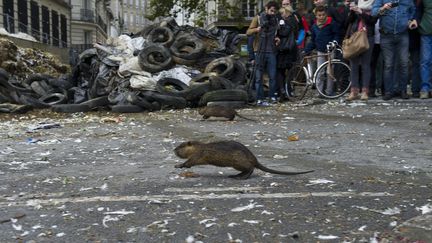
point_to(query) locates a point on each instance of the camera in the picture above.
(266, 20)
(394, 4)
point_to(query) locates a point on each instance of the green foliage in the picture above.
(231, 10)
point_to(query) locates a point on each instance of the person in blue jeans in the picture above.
(265, 27)
(425, 29)
(396, 17)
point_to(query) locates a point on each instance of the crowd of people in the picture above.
(399, 33)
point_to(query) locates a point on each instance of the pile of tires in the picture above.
(96, 83)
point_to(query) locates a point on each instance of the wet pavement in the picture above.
(107, 177)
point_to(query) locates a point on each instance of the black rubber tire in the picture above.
(223, 66)
(30, 100)
(39, 88)
(97, 102)
(20, 87)
(4, 98)
(238, 75)
(196, 50)
(171, 86)
(166, 101)
(148, 62)
(183, 61)
(195, 92)
(224, 95)
(126, 109)
(4, 74)
(161, 35)
(54, 98)
(136, 98)
(37, 77)
(217, 82)
(201, 78)
(146, 31)
(70, 108)
(63, 83)
(4, 83)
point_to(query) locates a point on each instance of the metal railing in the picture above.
(38, 34)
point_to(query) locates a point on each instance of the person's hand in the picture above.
(386, 6)
(277, 41)
(258, 29)
(412, 24)
(356, 9)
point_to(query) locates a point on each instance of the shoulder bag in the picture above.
(357, 43)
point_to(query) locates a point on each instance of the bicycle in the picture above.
(301, 77)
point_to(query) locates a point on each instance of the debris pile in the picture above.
(164, 66)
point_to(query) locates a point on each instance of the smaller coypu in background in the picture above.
(224, 154)
(220, 111)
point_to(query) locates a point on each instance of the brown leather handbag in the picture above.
(357, 43)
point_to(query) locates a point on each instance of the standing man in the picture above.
(265, 26)
(425, 29)
(396, 17)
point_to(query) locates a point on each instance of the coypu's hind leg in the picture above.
(206, 117)
(243, 175)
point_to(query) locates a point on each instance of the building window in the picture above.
(63, 30)
(55, 28)
(22, 16)
(248, 8)
(45, 25)
(8, 16)
(35, 26)
(88, 37)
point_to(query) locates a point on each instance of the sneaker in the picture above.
(424, 95)
(273, 100)
(364, 96)
(262, 103)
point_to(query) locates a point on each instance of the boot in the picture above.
(365, 94)
(353, 94)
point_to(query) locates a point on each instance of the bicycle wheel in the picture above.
(333, 82)
(296, 82)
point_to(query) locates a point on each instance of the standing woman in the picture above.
(287, 49)
(360, 17)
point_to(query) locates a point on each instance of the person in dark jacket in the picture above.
(360, 18)
(287, 55)
(324, 30)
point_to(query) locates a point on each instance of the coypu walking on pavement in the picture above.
(220, 111)
(224, 154)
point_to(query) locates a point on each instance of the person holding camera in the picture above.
(396, 17)
(264, 27)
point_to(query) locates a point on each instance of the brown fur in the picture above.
(220, 111)
(223, 154)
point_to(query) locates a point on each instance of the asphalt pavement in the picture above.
(109, 177)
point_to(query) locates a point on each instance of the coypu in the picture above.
(224, 154)
(220, 111)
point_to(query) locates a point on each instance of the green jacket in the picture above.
(425, 26)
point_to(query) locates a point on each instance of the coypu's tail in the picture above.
(263, 168)
(245, 117)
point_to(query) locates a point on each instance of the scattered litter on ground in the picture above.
(319, 181)
(425, 209)
(247, 207)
